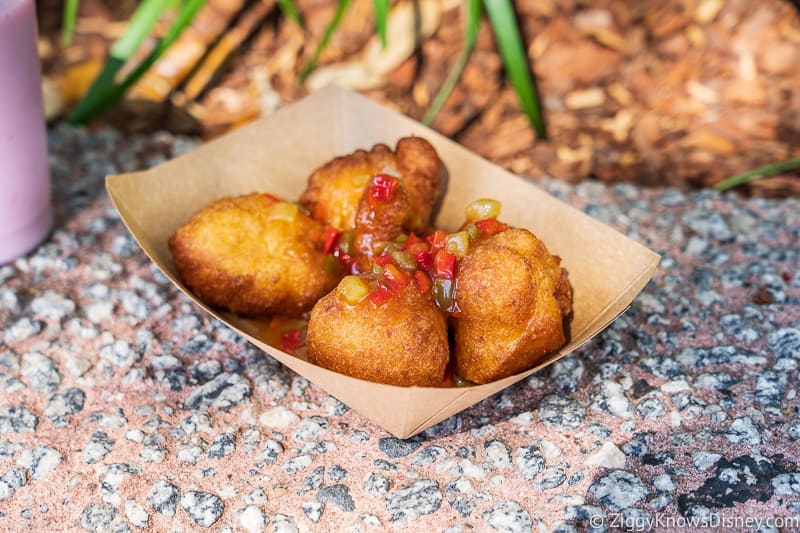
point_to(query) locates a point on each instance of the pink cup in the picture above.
(26, 215)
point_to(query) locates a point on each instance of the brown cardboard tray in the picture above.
(277, 153)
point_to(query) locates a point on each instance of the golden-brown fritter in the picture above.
(527, 244)
(512, 298)
(422, 178)
(335, 189)
(254, 256)
(400, 341)
(382, 211)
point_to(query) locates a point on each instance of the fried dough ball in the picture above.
(381, 214)
(527, 244)
(401, 341)
(513, 297)
(254, 255)
(335, 189)
(422, 171)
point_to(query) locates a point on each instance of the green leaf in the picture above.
(189, 9)
(105, 90)
(68, 21)
(470, 37)
(509, 41)
(332, 26)
(289, 9)
(381, 19)
(99, 95)
(758, 173)
(139, 27)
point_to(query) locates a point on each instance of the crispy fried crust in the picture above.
(380, 220)
(401, 342)
(527, 244)
(422, 172)
(241, 254)
(512, 295)
(335, 189)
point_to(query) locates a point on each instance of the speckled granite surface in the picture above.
(122, 406)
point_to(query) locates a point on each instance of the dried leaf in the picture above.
(583, 98)
(406, 28)
(369, 70)
(709, 140)
(707, 10)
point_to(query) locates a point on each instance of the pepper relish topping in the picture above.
(382, 187)
(427, 263)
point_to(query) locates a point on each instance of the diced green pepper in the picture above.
(483, 208)
(352, 289)
(444, 293)
(457, 244)
(404, 260)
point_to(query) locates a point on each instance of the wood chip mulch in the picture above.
(679, 93)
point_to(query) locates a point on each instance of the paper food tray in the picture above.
(276, 154)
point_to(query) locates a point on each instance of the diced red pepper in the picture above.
(417, 247)
(383, 187)
(396, 278)
(384, 260)
(271, 197)
(437, 239)
(350, 265)
(424, 283)
(491, 226)
(329, 240)
(444, 265)
(424, 260)
(380, 295)
(291, 340)
(411, 241)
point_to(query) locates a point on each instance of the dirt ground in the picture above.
(677, 92)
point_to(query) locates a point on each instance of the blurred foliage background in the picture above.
(670, 93)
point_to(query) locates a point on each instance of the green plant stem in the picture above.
(471, 36)
(381, 19)
(139, 27)
(341, 8)
(289, 9)
(70, 14)
(101, 92)
(105, 89)
(761, 172)
(188, 11)
(509, 41)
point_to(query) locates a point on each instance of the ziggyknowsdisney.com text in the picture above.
(650, 522)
